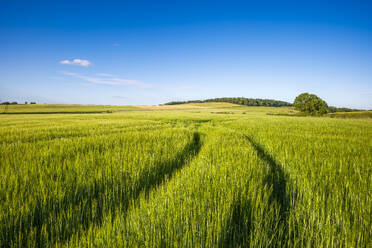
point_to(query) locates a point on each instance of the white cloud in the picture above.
(105, 75)
(108, 80)
(80, 62)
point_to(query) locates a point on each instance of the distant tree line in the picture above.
(238, 100)
(309, 104)
(333, 109)
(14, 103)
(9, 103)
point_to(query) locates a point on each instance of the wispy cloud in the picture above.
(105, 75)
(120, 97)
(108, 80)
(79, 62)
(367, 94)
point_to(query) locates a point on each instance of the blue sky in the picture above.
(151, 52)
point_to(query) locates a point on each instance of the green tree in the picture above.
(310, 104)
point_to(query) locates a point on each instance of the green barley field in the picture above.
(203, 175)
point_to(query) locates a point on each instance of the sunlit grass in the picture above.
(185, 178)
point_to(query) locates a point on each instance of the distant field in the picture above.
(171, 107)
(205, 175)
(355, 115)
(60, 108)
(208, 105)
(64, 108)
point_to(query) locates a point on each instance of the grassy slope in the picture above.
(76, 108)
(306, 179)
(61, 108)
(229, 109)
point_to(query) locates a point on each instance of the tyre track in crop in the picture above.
(39, 216)
(240, 224)
(277, 179)
(152, 179)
